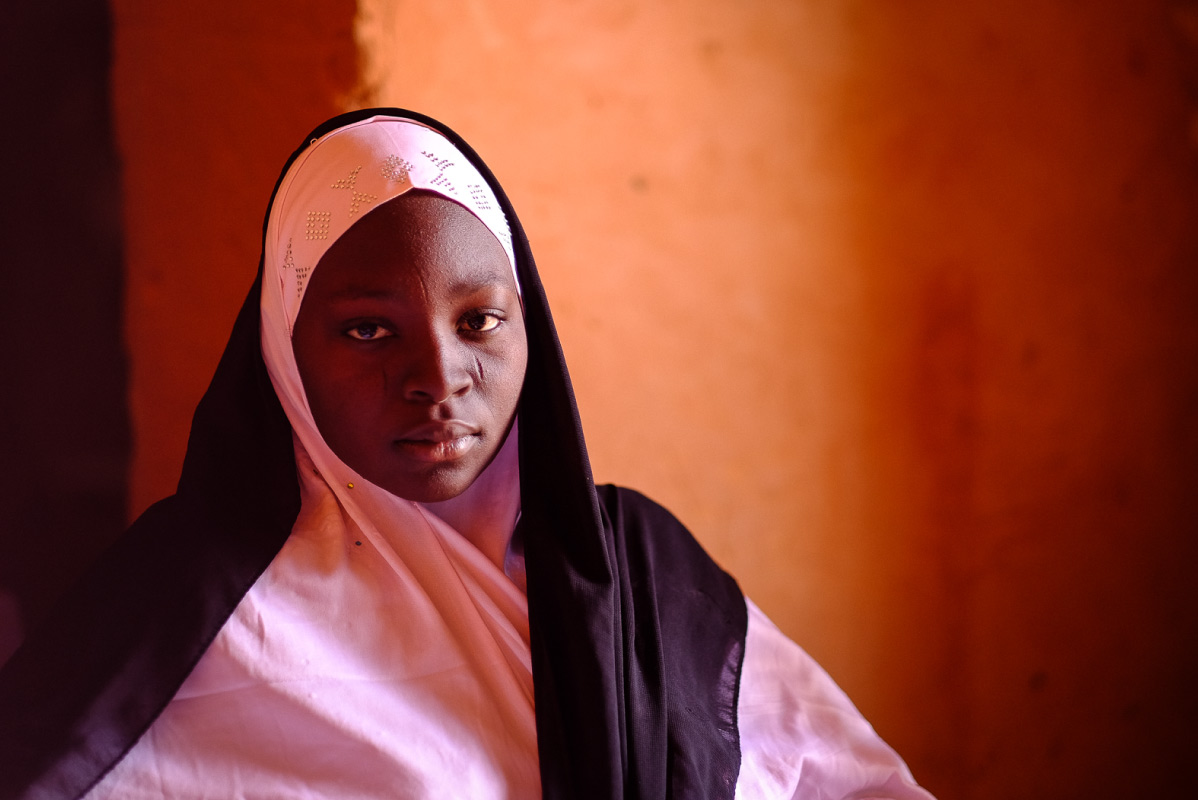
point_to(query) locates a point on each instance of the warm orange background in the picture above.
(892, 303)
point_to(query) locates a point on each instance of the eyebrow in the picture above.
(363, 293)
(484, 279)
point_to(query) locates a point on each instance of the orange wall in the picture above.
(1026, 225)
(891, 303)
(210, 98)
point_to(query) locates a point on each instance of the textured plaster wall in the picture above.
(891, 303)
(1025, 219)
(209, 101)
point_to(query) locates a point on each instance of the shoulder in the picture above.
(651, 541)
(91, 678)
(675, 589)
(801, 737)
(51, 734)
(685, 618)
(632, 514)
(612, 496)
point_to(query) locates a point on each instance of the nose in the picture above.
(437, 369)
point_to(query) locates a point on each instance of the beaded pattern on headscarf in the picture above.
(380, 158)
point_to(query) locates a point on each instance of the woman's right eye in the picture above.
(368, 331)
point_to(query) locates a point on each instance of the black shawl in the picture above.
(637, 636)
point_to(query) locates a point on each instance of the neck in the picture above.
(486, 512)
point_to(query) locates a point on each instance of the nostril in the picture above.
(434, 368)
(437, 385)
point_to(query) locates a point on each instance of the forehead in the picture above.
(417, 239)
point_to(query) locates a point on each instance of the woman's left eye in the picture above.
(480, 322)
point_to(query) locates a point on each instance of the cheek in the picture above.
(509, 377)
(348, 423)
(314, 377)
(336, 397)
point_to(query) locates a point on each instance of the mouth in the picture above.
(438, 442)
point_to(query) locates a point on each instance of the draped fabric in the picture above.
(361, 664)
(635, 636)
(801, 738)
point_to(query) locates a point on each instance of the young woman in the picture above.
(387, 571)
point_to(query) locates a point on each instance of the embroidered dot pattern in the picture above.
(301, 273)
(301, 280)
(431, 166)
(396, 169)
(348, 183)
(440, 163)
(479, 196)
(356, 198)
(440, 181)
(317, 226)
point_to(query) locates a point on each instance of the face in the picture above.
(411, 347)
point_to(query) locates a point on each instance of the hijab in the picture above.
(635, 636)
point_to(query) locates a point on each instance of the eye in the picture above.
(368, 331)
(480, 322)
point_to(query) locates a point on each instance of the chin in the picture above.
(435, 488)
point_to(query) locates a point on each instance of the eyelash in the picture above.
(479, 314)
(379, 329)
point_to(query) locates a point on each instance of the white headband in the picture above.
(346, 173)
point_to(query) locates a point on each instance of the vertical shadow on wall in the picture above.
(64, 433)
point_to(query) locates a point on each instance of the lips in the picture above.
(439, 441)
